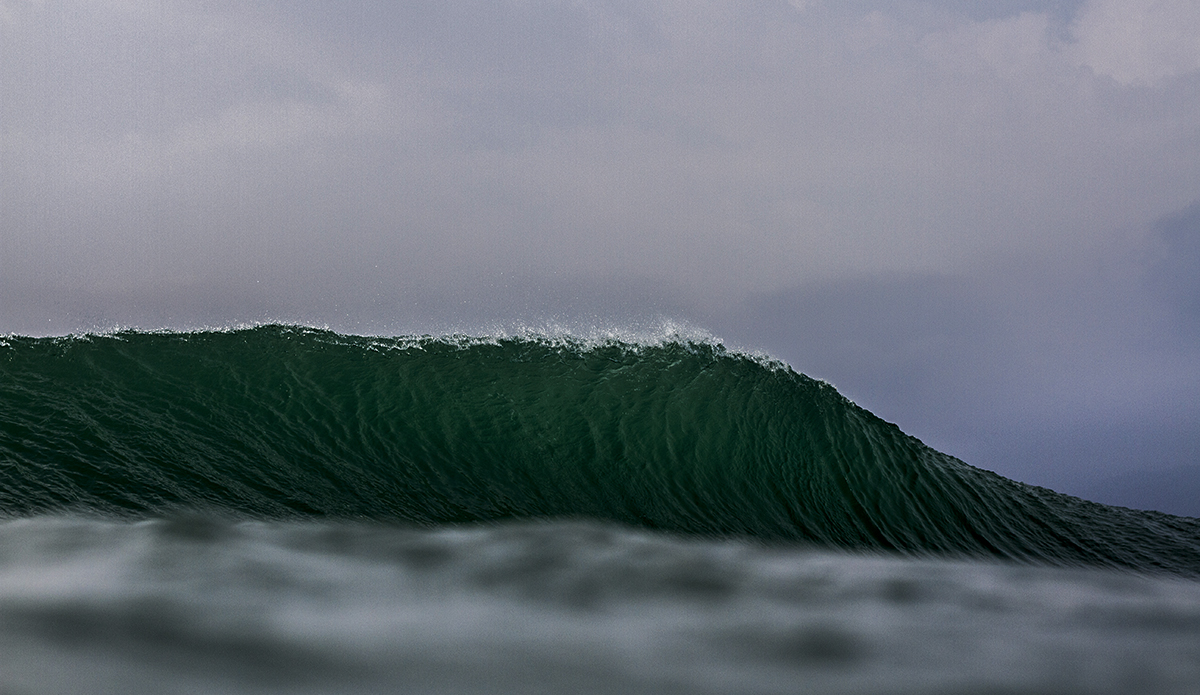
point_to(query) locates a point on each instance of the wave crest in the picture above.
(661, 431)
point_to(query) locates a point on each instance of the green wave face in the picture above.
(276, 422)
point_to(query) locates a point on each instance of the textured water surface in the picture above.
(284, 509)
(282, 422)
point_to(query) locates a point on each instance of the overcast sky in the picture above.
(979, 220)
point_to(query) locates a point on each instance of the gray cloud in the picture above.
(1175, 273)
(729, 150)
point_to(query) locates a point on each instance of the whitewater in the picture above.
(286, 509)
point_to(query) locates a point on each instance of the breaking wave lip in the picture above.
(576, 334)
(664, 429)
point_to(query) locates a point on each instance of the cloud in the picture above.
(1138, 42)
(1012, 47)
(1174, 273)
(724, 148)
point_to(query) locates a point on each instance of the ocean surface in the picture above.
(282, 509)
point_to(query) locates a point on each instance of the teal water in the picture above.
(287, 510)
(291, 423)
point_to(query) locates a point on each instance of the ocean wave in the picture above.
(672, 432)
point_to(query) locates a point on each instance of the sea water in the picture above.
(282, 509)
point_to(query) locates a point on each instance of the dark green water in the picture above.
(282, 422)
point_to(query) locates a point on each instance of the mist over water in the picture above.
(204, 605)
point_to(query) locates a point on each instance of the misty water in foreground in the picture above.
(200, 605)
